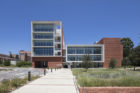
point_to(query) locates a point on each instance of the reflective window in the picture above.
(84, 50)
(75, 58)
(79, 57)
(43, 27)
(43, 51)
(43, 43)
(96, 58)
(43, 36)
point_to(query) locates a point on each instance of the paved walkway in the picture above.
(60, 81)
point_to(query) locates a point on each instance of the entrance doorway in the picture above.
(41, 64)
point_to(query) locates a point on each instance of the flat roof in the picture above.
(84, 45)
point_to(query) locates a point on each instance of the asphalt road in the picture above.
(19, 72)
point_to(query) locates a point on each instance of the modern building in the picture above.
(22, 55)
(47, 43)
(75, 53)
(48, 48)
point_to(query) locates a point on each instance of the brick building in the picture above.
(48, 47)
(4, 57)
(22, 55)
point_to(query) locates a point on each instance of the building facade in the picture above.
(23, 54)
(47, 43)
(75, 53)
(112, 49)
(48, 48)
(4, 57)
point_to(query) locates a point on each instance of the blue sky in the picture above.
(84, 21)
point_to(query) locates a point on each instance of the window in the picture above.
(43, 36)
(84, 50)
(43, 51)
(43, 43)
(97, 50)
(96, 58)
(43, 27)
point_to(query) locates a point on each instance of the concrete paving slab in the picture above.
(59, 81)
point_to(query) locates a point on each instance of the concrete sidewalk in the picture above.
(60, 81)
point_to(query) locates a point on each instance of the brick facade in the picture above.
(22, 55)
(53, 62)
(113, 49)
(109, 90)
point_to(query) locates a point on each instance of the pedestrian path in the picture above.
(59, 81)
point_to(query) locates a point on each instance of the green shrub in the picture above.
(112, 63)
(6, 82)
(7, 63)
(23, 64)
(0, 62)
(1, 65)
(4, 89)
(15, 83)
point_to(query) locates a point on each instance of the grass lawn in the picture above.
(107, 77)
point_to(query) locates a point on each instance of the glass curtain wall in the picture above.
(76, 53)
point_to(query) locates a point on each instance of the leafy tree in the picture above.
(86, 61)
(132, 58)
(125, 62)
(10, 53)
(127, 46)
(113, 63)
(135, 57)
(137, 51)
(0, 62)
(26, 57)
(17, 56)
(7, 63)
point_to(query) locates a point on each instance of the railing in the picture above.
(77, 86)
(84, 90)
(75, 83)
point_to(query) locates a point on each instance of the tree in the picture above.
(125, 62)
(10, 53)
(7, 63)
(86, 61)
(135, 57)
(0, 62)
(113, 63)
(127, 46)
(17, 57)
(26, 57)
(137, 51)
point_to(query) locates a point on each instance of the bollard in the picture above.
(29, 75)
(51, 69)
(55, 69)
(44, 71)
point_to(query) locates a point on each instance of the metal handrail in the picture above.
(75, 83)
(84, 90)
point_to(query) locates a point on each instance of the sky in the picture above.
(84, 21)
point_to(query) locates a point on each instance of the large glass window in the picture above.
(43, 27)
(79, 57)
(43, 51)
(43, 43)
(97, 50)
(43, 36)
(96, 58)
(84, 50)
(75, 58)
